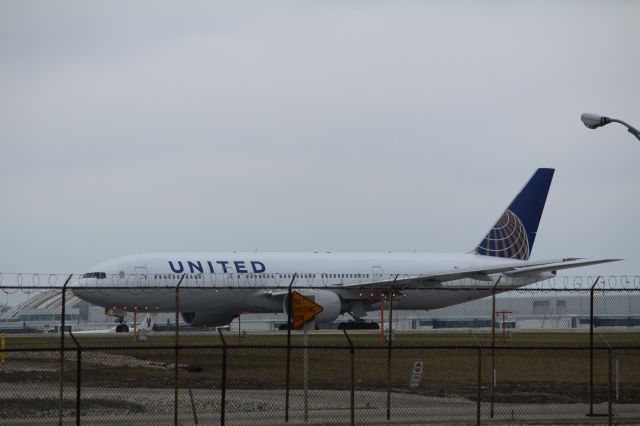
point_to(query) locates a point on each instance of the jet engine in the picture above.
(330, 302)
(207, 319)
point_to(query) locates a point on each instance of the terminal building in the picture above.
(42, 313)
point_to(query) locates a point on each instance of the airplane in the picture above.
(217, 287)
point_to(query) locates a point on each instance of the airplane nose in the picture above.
(79, 292)
(88, 295)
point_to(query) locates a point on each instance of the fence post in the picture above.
(289, 322)
(193, 407)
(175, 370)
(493, 343)
(610, 387)
(223, 385)
(78, 375)
(389, 346)
(352, 351)
(591, 346)
(62, 324)
(479, 385)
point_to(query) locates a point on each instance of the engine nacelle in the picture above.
(207, 319)
(330, 302)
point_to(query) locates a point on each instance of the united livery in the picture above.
(339, 282)
(217, 266)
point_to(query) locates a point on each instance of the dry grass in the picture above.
(448, 371)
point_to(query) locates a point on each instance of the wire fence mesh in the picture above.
(560, 351)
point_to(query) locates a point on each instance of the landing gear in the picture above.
(358, 324)
(357, 312)
(120, 316)
(284, 327)
(122, 328)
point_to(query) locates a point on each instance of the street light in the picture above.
(593, 121)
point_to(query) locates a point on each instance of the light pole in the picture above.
(593, 121)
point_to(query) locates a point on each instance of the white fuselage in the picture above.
(233, 283)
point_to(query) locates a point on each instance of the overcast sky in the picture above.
(355, 125)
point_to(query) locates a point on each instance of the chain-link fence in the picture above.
(565, 350)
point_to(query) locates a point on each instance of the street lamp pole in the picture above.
(593, 121)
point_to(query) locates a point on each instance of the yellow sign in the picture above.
(304, 310)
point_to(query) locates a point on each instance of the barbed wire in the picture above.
(32, 281)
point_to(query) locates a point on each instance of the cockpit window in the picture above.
(98, 275)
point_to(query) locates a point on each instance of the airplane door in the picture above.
(141, 275)
(376, 271)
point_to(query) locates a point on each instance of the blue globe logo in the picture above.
(507, 238)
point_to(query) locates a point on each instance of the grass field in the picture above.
(517, 338)
(558, 372)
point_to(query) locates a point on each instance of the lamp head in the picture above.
(593, 121)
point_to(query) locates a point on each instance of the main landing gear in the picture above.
(358, 324)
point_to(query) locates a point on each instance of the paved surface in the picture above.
(142, 405)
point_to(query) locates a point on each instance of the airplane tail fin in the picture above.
(514, 233)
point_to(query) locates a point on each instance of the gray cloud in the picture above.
(303, 126)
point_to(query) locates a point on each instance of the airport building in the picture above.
(41, 313)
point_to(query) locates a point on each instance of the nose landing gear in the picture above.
(120, 316)
(122, 328)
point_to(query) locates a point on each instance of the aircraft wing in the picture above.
(480, 273)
